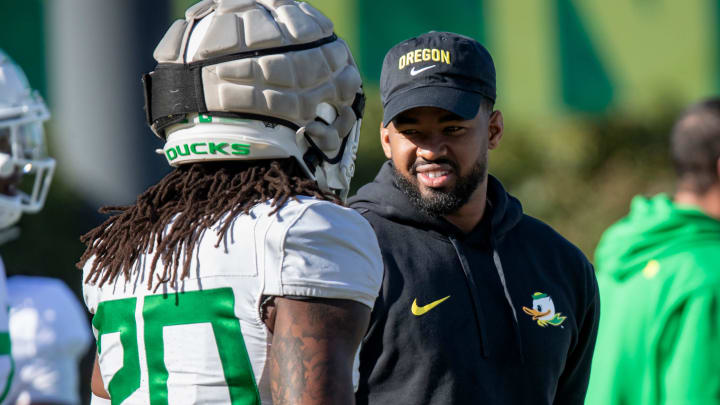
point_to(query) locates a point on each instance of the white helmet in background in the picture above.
(25, 168)
(266, 79)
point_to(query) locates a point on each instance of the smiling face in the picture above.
(440, 159)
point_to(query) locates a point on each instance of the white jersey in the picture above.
(202, 341)
(50, 333)
(7, 366)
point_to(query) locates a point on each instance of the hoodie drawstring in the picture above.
(501, 273)
(508, 298)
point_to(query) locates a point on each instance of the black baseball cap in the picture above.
(437, 69)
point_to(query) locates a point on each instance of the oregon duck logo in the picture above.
(543, 311)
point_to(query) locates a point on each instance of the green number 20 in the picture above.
(215, 307)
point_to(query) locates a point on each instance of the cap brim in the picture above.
(463, 103)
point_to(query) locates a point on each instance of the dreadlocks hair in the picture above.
(193, 198)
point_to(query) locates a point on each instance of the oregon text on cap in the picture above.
(424, 55)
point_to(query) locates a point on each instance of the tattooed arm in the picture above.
(313, 349)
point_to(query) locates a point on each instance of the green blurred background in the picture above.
(588, 89)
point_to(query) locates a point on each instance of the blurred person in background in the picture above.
(239, 277)
(49, 332)
(480, 302)
(50, 335)
(659, 276)
(12, 82)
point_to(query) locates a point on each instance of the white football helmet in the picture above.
(266, 79)
(25, 169)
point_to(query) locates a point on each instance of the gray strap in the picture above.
(501, 273)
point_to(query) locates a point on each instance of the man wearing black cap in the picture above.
(480, 303)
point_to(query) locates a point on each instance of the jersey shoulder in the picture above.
(307, 247)
(326, 250)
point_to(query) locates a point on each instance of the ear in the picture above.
(495, 129)
(385, 140)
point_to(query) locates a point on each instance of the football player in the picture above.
(48, 331)
(240, 277)
(50, 335)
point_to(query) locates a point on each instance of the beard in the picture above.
(438, 203)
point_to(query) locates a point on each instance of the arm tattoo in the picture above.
(313, 350)
(289, 373)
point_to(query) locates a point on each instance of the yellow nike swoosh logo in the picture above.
(417, 311)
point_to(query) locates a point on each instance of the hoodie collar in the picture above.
(655, 227)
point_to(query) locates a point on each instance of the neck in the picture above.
(708, 202)
(470, 214)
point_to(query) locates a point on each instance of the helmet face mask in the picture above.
(338, 176)
(287, 87)
(25, 168)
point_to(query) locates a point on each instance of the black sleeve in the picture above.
(574, 380)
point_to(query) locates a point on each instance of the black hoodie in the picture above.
(506, 314)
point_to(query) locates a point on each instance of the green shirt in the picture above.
(659, 278)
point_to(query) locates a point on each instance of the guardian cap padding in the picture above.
(271, 60)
